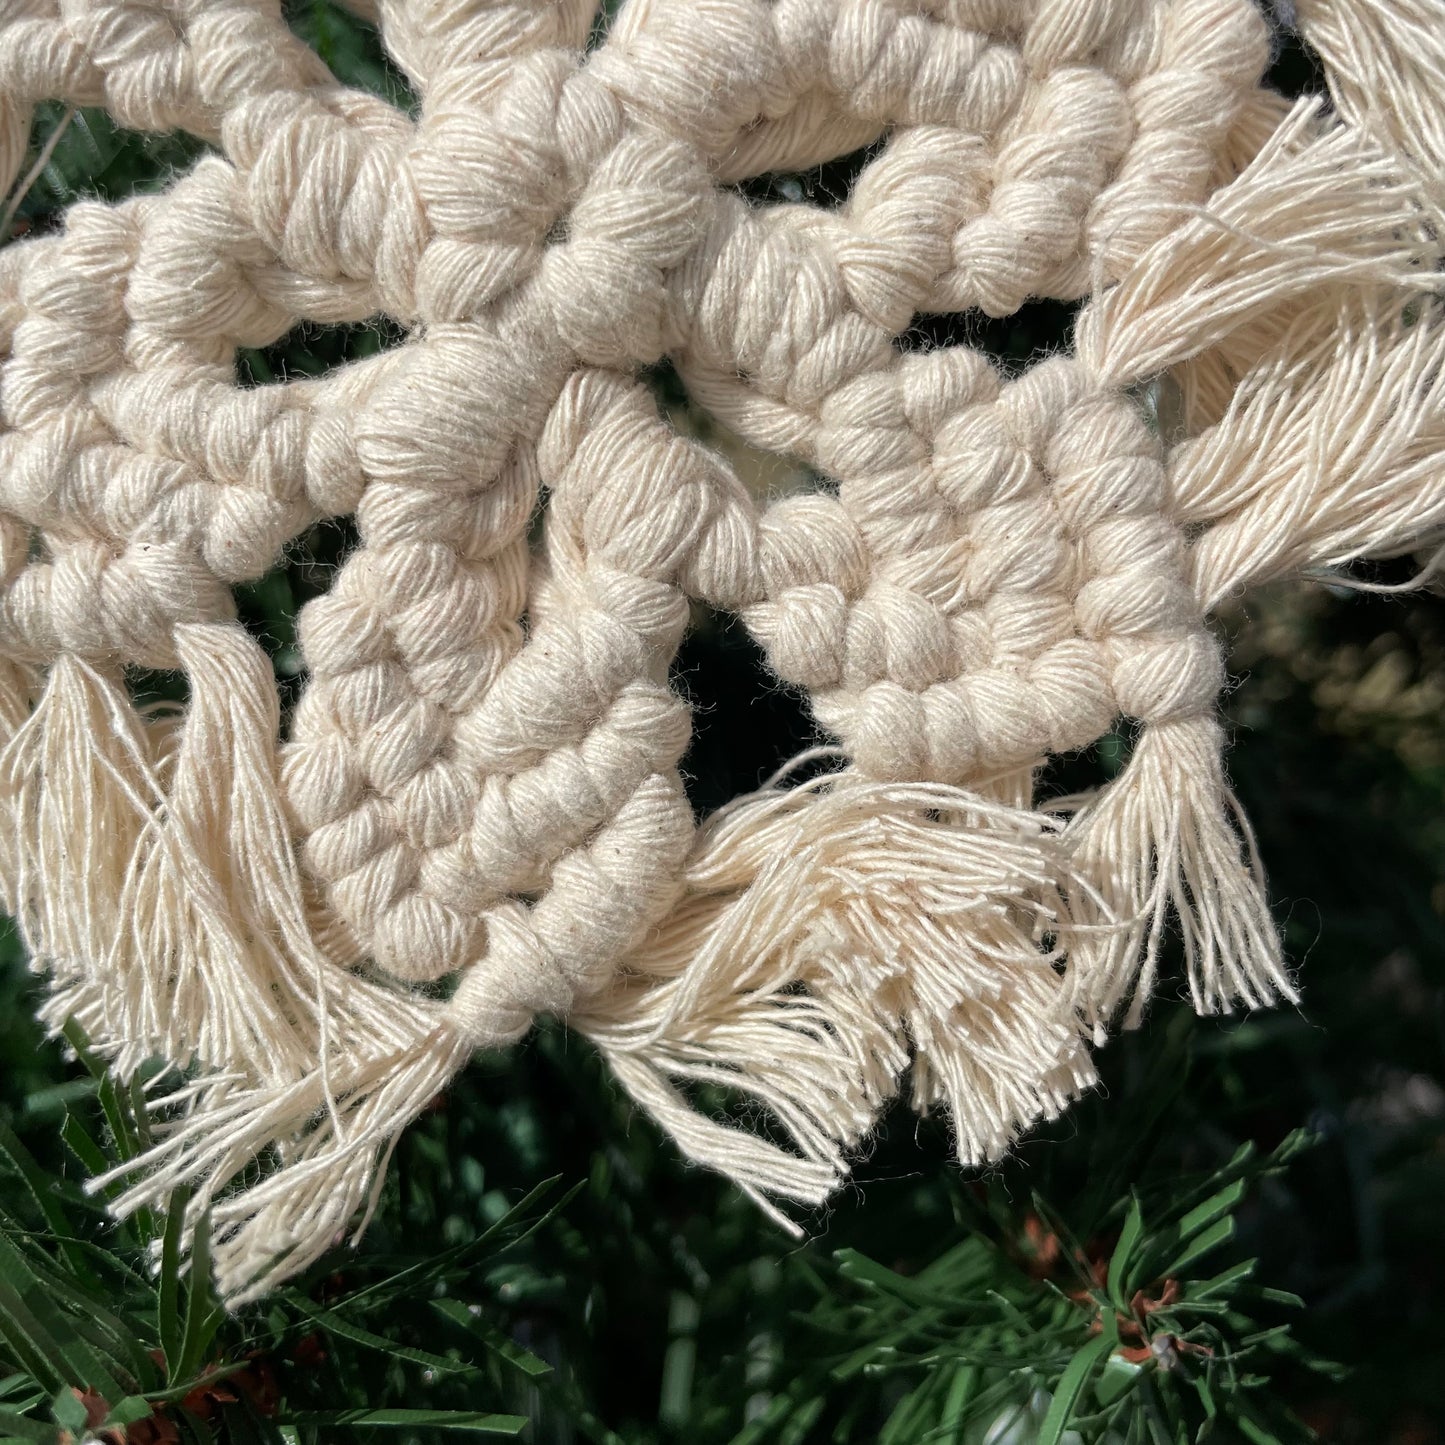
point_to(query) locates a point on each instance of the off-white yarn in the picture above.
(480, 785)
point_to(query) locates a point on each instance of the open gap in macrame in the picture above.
(1295, 67)
(154, 690)
(352, 49)
(93, 158)
(1014, 343)
(1066, 775)
(825, 186)
(745, 722)
(268, 607)
(602, 23)
(766, 474)
(312, 349)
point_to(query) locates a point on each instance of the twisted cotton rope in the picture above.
(481, 781)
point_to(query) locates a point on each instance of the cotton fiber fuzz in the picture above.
(475, 816)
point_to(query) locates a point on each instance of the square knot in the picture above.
(997, 579)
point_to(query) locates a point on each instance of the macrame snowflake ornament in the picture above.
(475, 817)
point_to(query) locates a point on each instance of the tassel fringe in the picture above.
(833, 936)
(333, 1131)
(1162, 838)
(1328, 451)
(155, 880)
(1385, 62)
(157, 883)
(1320, 207)
(836, 931)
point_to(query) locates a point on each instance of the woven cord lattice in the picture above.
(477, 817)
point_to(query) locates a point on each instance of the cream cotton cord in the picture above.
(477, 817)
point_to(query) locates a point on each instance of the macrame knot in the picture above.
(92, 603)
(997, 579)
(474, 814)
